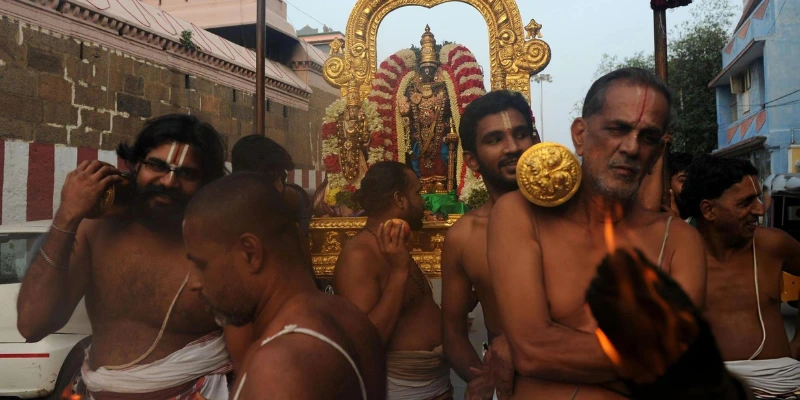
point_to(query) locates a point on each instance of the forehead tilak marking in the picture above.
(644, 105)
(755, 189)
(506, 120)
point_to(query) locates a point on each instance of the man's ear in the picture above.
(471, 160)
(578, 131)
(251, 252)
(399, 200)
(708, 210)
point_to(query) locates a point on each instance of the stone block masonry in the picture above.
(71, 90)
(66, 90)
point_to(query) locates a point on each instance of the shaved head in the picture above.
(242, 202)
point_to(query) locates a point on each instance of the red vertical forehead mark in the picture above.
(644, 105)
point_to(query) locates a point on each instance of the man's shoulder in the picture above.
(512, 203)
(773, 239)
(359, 255)
(463, 226)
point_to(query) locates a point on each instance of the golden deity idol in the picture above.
(426, 105)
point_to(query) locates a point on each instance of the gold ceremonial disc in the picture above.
(548, 174)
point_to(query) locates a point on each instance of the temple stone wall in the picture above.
(67, 91)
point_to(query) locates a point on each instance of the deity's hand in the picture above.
(404, 106)
(481, 385)
(498, 360)
(392, 241)
(82, 190)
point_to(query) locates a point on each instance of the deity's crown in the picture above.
(428, 43)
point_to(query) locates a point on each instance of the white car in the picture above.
(45, 368)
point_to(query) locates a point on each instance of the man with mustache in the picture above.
(495, 130)
(745, 266)
(376, 272)
(250, 268)
(542, 259)
(151, 338)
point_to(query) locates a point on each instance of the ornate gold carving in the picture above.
(514, 57)
(533, 30)
(331, 244)
(548, 174)
(437, 241)
(426, 243)
(336, 47)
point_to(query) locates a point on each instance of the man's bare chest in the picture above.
(139, 279)
(732, 283)
(569, 263)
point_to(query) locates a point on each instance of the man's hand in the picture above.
(498, 361)
(392, 239)
(480, 386)
(82, 190)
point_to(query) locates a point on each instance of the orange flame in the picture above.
(608, 347)
(611, 245)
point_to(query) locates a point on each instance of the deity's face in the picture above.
(620, 144)
(164, 193)
(219, 274)
(414, 204)
(500, 140)
(428, 72)
(737, 211)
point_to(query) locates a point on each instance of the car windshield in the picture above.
(16, 253)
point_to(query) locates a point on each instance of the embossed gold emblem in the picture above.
(548, 174)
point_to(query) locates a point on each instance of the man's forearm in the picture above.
(460, 354)
(385, 314)
(561, 353)
(41, 303)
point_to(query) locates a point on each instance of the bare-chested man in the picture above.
(495, 130)
(132, 270)
(544, 258)
(745, 266)
(250, 268)
(376, 272)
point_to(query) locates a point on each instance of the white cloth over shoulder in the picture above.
(206, 356)
(776, 377)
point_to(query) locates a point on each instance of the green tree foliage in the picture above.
(695, 57)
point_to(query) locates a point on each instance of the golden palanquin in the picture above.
(329, 235)
(516, 53)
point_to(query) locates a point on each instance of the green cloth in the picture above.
(444, 204)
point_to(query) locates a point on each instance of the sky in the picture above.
(579, 32)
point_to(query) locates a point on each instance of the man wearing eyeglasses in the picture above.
(151, 338)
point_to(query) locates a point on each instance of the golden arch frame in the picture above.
(516, 52)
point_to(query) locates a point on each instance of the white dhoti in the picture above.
(417, 375)
(769, 379)
(200, 367)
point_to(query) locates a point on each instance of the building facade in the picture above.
(78, 77)
(758, 89)
(320, 40)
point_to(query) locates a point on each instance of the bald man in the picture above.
(249, 269)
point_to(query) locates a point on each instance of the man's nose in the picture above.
(630, 143)
(511, 145)
(759, 209)
(169, 180)
(195, 283)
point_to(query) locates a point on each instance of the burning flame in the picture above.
(611, 244)
(608, 347)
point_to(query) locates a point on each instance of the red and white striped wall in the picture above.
(32, 174)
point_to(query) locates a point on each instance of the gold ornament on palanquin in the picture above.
(548, 174)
